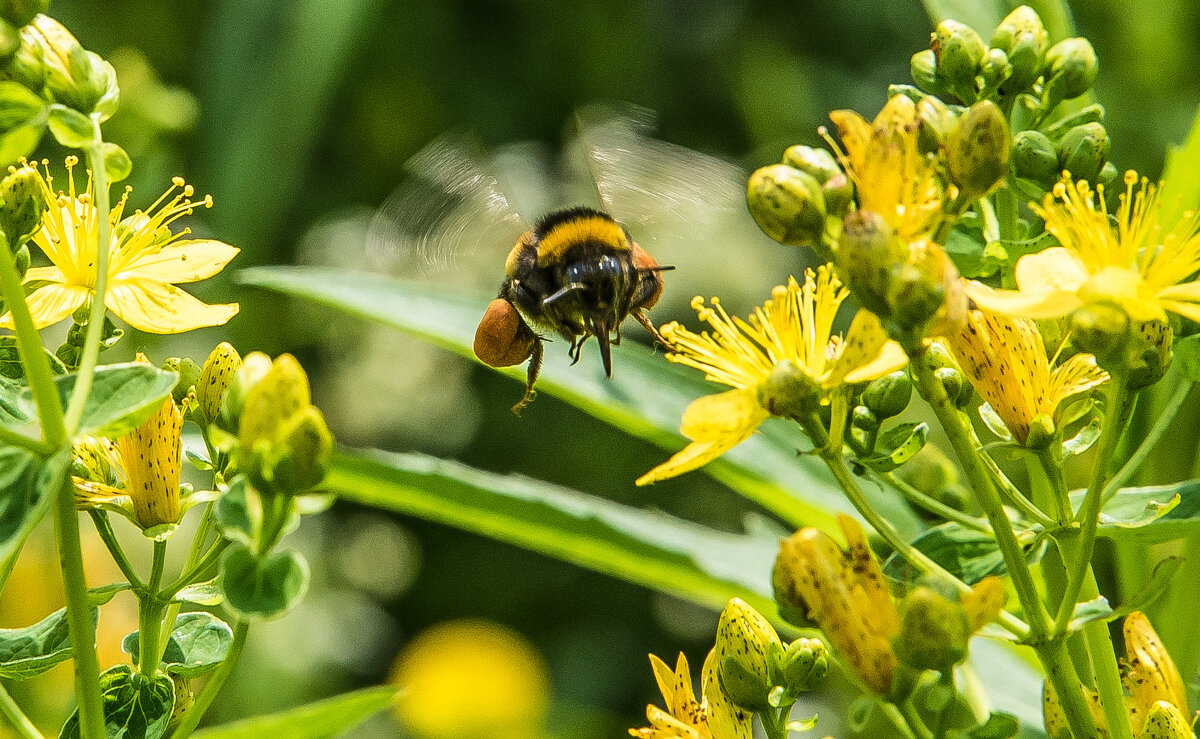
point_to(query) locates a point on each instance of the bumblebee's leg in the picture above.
(644, 319)
(576, 347)
(535, 367)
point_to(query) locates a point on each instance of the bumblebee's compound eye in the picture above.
(502, 338)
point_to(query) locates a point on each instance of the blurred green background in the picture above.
(298, 117)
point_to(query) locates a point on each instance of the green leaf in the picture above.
(117, 163)
(645, 547)
(997, 726)
(1099, 609)
(34, 649)
(260, 588)
(1187, 356)
(103, 594)
(329, 717)
(71, 128)
(14, 413)
(236, 518)
(967, 554)
(10, 359)
(207, 593)
(897, 445)
(198, 643)
(1181, 179)
(27, 485)
(22, 120)
(645, 397)
(1082, 441)
(135, 706)
(123, 396)
(1150, 515)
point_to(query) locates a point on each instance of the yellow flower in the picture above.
(1006, 361)
(712, 717)
(1139, 265)
(1150, 674)
(794, 329)
(891, 176)
(146, 261)
(138, 476)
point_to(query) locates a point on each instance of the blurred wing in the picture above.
(447, 209)
(643, 180)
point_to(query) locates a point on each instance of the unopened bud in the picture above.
(1165, 721)
(253, 368)
(21, 260)
(22, 204)
(1102, 329)
(215, 377)
(1035, 158)
(868, 255)
(996, 69)
(1070, 69)
(937, 358)
(747, 647)
(805, 665)
(1083, 151)
(888, 396)
(787, 204)
(75, 77)
(933, 631)
(300, 454)
(26, 66)
(788, 391)
(281, 392)
(923, 67)
(1151, 354)
(864, 430)
(977, 152)
(1041, 432)
(937, 123)
(189, 374)
(984, 603)
(836, 187)
(1023, 37)
(959, 51)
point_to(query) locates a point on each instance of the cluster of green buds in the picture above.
(887, 643)
(49, 81)
(801, 201)
(949, 374)
(757, 671)
(1139, 351)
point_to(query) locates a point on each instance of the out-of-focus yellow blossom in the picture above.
(891, 176)
(1006, 361)
(711, 717)
(1139, 265)
(794, 330)
(1151, 677)
(470, 679)
(146, 261)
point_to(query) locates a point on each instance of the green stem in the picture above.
(95, 329)
(33, 354)
(192, 718)
(1052, 470)
(1144, 449)
(909, 712)
(892, 711)
(193, 574)
(17, 717)
(104, 528)
(1005, 488)
(989, 500)
(933, 505)
(79, 614)
(8, 437)
(837, 465)
(991, 225)
(1006, 213)
(151, 615)
(193, 555)
(1060, 672)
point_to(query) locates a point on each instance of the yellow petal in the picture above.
(1053, 269)
(1024, 304)
(159, 308)
(665, 677)
(725, 720)
(50, 304)
(715, 417)
(866, 353)
(1187, 310)
(44, 274)
(182, 261)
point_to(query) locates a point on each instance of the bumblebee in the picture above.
(577, 273)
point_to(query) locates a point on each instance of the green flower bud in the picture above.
(1023, 38)
(22, 203)
(817, 162)
(281, 392)
(1034, 158)
(21, 12)
(937, 123)
(933, 631)
(923, 67)
(787, 204)
(1093, 113)
(1102, 329)
(27, 66)
(299, 456)
(253, 368)
(953, 382)
(863, 431)
(947, 371)
(864, 418)
(189, 373)
(1083, 151)
(926, 296)
(747, 648)
(996, 69)
(868, 254)
(1164, 721)
(1151, 353)
(21, 258)
(977, 152)
(219, 371)
(75, 77)
(888, 396)
(788, 391)
(805, 665)
(1070, 69)
(1041, 432)
(960, 52)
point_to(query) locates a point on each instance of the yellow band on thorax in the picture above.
(563, 236)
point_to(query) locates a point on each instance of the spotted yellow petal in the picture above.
(867, 353)
(182, 262)
(725, 720)
(159, 308)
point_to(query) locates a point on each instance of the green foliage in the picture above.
(262, 587)
(123, 396)
(198, 643)
(135, 706)
(968, 554)
(314, 721)
(32, 650)
(28, 484)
